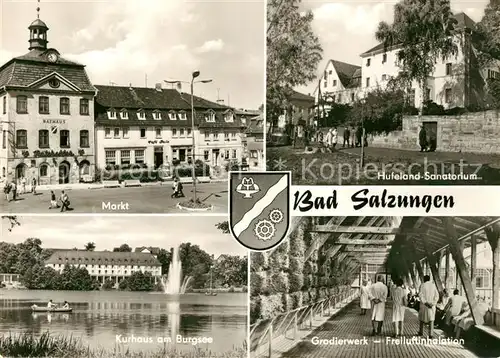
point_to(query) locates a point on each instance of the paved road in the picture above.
(152, 199)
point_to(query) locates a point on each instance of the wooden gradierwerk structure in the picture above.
(445, 248)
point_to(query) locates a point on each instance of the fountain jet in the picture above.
(174, 283)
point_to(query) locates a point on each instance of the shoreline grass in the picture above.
(59, 346)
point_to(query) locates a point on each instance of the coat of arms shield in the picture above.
(259, 208)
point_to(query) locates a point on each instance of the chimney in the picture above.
(158, 87)
(220, 101)
(179, 87)
(130, 86)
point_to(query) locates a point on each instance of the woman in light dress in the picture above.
(400, 301)
(365, 298)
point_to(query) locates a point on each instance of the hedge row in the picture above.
(284, 280)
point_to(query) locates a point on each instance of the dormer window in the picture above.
(182, 116)
(229, 117)
(112, 114)
(157, 115)
(210, 116)
(172, 115)
(141, 114)
(124, 114)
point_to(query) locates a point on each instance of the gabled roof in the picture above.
(463, 22)
(102, 258)
(301, 97)
(345, 71)
(24, 70)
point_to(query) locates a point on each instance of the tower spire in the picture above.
(38, 32)
(38, 10)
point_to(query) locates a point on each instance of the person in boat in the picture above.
(66, 305)
(51, 304)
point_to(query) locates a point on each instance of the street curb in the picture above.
(179, 206)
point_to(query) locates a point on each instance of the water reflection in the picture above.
(98, 317)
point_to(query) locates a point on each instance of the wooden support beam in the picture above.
(362, 242)
(461, 266)
(319, 239)
(431, 262)
(473, 260)
(494, 241)
(384, 230)
(447, 269)
(382, 249)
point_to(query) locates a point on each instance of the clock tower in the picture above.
(38, 34)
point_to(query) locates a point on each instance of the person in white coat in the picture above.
(328, 139)
(429, 297)
(364, 298)
(378, 294)
(335, 137)
(400, 301)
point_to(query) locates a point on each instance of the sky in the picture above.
(346, 28)
(107, 232)
(122, 41)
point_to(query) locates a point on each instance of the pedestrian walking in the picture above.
(13, 189)
(429, 297)
(6, 190)
(23, 185)
(33, 186)
(328, 139)
(364, 300)
(378, 293)
(422, 139)
(400, 301)
(53, 200)
(64, 201)
(347, 136)
(335, 138)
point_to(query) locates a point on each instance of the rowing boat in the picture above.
(54, 310)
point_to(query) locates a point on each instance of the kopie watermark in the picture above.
(320, 171)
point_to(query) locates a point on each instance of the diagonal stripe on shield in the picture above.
(259, 216)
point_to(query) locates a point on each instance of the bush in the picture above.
(257, 259)
(255, 309)
(278, 283)
(108, 284)
(271, 306)
(297, 299)
(256, 284)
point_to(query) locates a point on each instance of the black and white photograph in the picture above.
(378, 287)
(122, 286)
(397, 92)
(129, 106)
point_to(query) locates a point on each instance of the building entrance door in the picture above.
(158, 157)
(215, 157)
(64, 173)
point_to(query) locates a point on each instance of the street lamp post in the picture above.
(362, 160)
(194, 75)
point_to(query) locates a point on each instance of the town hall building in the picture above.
(46, 115)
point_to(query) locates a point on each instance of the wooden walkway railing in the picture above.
(264, 332)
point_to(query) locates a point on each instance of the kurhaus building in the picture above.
(152, 126)
(104, 265)
(46, 115)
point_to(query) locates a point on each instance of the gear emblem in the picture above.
(264, 229)
(276, 216)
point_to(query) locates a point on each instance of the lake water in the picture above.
(100, 317)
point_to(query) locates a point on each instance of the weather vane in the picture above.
(38, 10)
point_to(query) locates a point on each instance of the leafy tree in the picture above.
(123, 248)
(108, 284)
(194, 261)
(165, 257)
(223, 226)
(39, 277)
(486, 35)
(90, 246)
(76, 278)
(13, 221)
(230, 271)
(338, 115)
(138, 281)
(423, 29)
(293, 53)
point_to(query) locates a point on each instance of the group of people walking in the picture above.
(12, 189)
(375, 296)
(352, 138)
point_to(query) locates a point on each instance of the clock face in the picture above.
(52, 57)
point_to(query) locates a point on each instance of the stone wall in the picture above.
(471, 133)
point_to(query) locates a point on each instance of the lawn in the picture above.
(385, 167)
